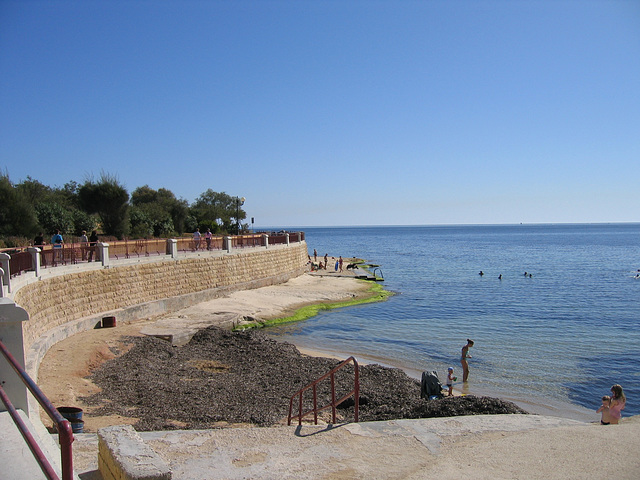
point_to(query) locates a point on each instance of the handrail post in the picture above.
(35, 259)
(172, 247)
(6, 275)
(11, 318)
(265, 240)
(103, 249)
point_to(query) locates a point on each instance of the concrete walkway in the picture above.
(474, 447)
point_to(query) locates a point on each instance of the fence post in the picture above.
(286, 237)
(265, 240)
(227, 244)
(35, 259)
(103, 249)
(4, 265)
(172, 247)
(11, 318)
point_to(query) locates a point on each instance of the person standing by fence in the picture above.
(93, 241)
(57, 241)
(196, 238)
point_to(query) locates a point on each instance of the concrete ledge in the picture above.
(123, 455)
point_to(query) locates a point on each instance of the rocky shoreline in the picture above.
(221, 378)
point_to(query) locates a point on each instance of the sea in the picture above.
(555, 316)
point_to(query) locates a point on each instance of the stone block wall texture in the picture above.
(59, 300)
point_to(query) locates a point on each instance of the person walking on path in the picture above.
(340, 262)
(207, 238)
(618, 401)
(463, 360)
(57, 241)
(196, 238)
(84, 245)
(93, 241)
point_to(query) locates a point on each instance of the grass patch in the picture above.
(376, 293)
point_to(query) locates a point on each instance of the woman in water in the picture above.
(618, 401)
(463, 360)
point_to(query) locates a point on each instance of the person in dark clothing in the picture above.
(93, 241)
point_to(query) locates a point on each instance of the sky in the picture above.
(334, 113)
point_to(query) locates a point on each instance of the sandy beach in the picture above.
(513, 452)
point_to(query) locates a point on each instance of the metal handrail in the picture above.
(65, 433)
(334, 403)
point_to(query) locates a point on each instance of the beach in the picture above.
(497, 452)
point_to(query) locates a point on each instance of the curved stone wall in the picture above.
(157, 287)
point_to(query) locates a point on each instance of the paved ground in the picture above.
(474, 447)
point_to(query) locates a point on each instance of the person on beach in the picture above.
(326, 260)
(340, 262)
(315, 255)
(463, 360)
(604, 409)
(450, 380)
(618, 401)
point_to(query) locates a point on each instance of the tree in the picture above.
(17, 217)
(52, 217)
(218, 209)
(163, 211)
(110, 201)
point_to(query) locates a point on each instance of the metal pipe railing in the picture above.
(65, 434)
(334, 402)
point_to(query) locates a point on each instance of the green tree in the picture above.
(52, 217)
(219, 209)
(110, 201)
(17, 216)
(164, 212)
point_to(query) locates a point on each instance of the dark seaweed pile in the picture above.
(246, 377)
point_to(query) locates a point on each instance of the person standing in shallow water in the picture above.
(618, 402)
(463, 360)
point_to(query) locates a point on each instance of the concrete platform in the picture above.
(478, 447)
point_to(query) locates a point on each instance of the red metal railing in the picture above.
(65, 434)
(72, 253)
(334, 403)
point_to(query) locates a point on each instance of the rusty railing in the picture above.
(334, 402)
(65, 434)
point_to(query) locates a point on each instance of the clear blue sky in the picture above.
(334, 112)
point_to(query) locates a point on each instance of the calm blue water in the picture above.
(563, 336)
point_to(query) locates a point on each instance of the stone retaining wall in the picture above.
(56, 301)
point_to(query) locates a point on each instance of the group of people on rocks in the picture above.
(323, 265)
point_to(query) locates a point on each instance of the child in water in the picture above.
(618, 402)
(450, 380)
(604, 409)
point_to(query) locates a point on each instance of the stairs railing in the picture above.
(65, 433)
(334, 402)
